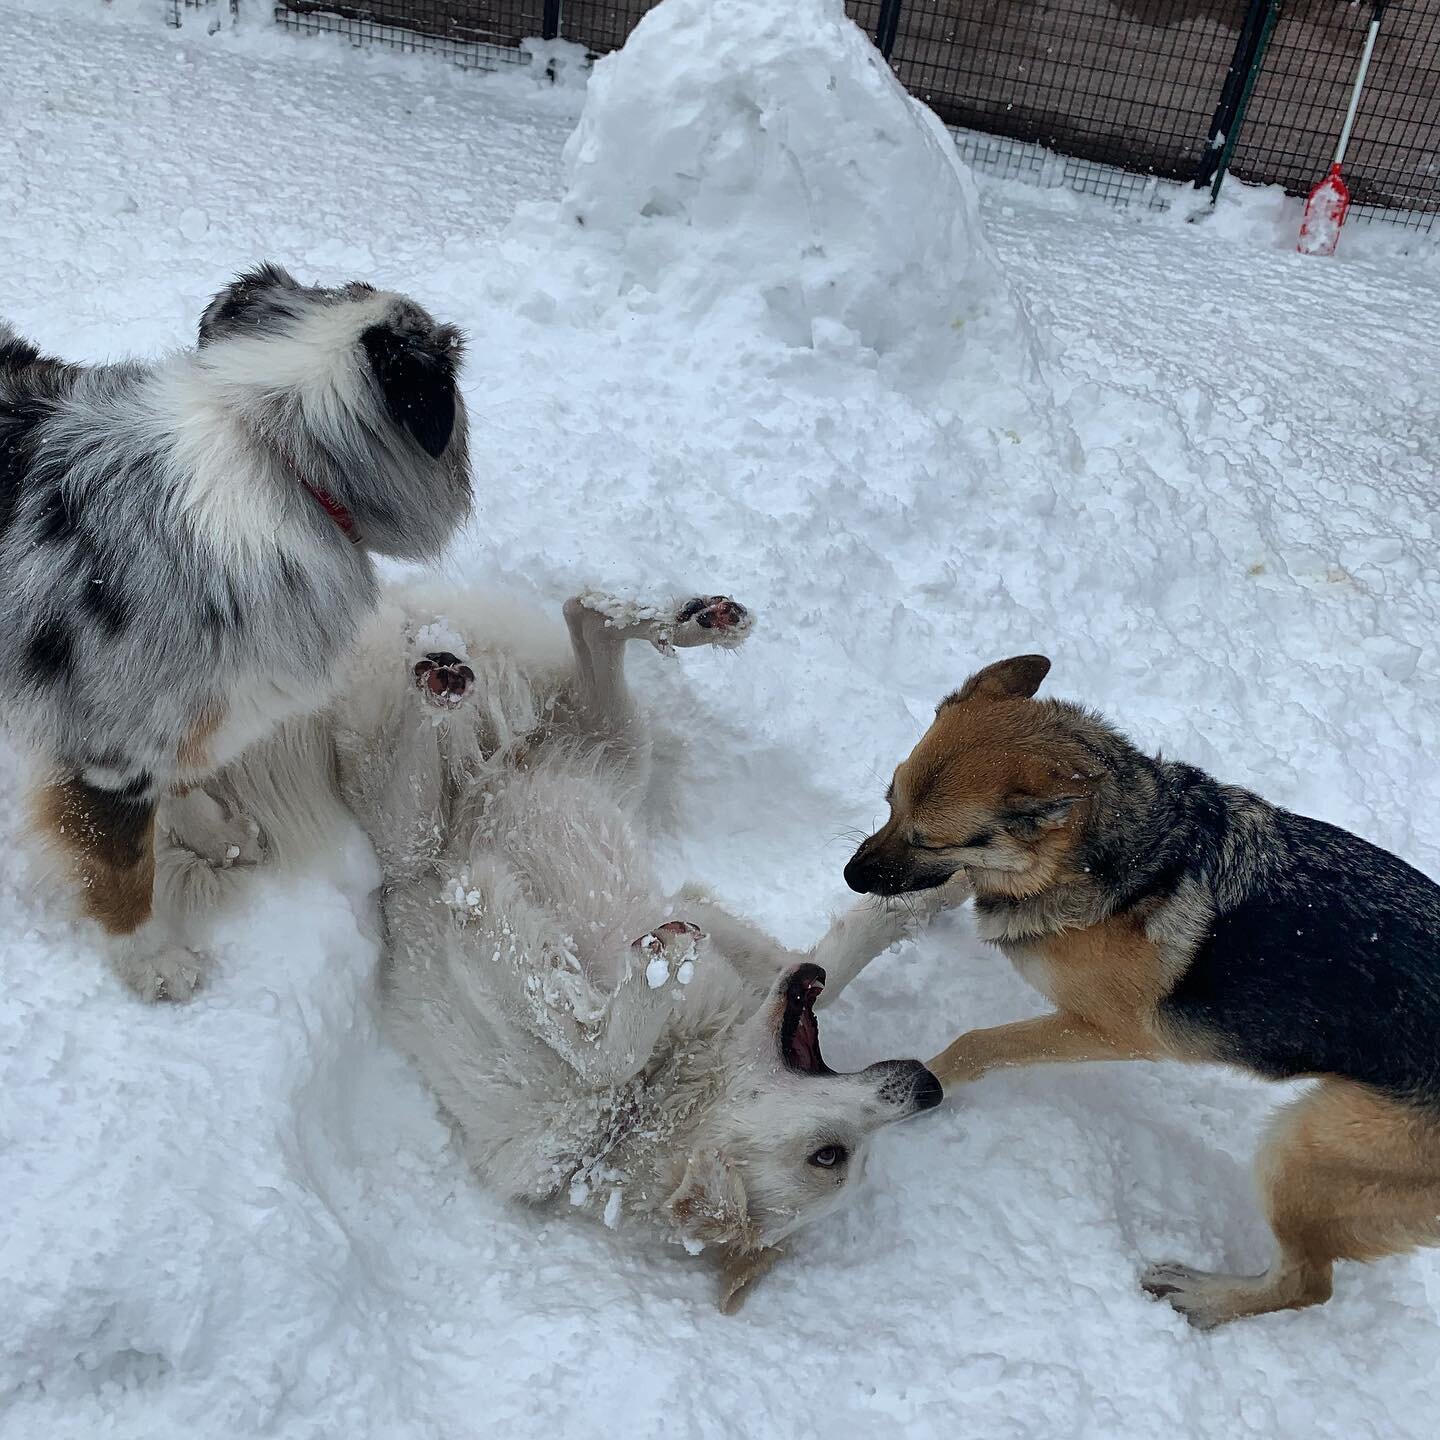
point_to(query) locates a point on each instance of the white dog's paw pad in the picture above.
(244, 843)
(443, 679)
(709, 620)
(676, 943)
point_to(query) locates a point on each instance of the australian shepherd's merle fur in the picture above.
(185, 551)
(1169, 916)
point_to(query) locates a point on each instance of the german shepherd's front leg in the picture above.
(1046, 1040)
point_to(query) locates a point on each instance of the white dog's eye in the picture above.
(827, 1157)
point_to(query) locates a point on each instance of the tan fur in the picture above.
(1347, 1173)
(116, 873)
(194, 751)
(740, 1271)
(1107, 981)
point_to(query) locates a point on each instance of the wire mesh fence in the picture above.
(1129, 93)
(1295, 114)
(474, 33)
(601, 25)
(175, 9)
(1133, 86)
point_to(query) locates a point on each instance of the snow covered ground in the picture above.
(787, 354)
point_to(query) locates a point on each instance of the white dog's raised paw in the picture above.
(247, 843)
(707, 620)
(443, 679)
(672, 946)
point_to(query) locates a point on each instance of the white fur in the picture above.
(518, 878)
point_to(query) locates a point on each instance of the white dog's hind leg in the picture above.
(394, 775)
(605, 1037)
(600, 626)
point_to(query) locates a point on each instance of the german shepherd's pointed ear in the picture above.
(416, 375)
(1017, 678)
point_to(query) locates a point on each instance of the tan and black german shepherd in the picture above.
(1168, 916)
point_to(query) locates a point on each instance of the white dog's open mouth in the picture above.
(799, 1032)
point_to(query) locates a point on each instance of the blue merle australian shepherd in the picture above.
(186, 552)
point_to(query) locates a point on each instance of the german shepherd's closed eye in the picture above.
(1169, 916)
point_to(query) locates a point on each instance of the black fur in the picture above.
(57, 523)
(1327, 963)
(251, 301)
(50, 653)
(104, 601)
(18, 426)
(416, 377)
(16, 351)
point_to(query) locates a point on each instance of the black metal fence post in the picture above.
(887, 26)
(1237, 121)
(550, 20)
(1227, 108)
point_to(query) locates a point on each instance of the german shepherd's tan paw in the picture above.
(1207, 1300)
(1204, 1299)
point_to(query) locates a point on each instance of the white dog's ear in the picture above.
(739, 1274)
(710, 1206)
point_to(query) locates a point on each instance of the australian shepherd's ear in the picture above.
(252, 302)
(414, 366)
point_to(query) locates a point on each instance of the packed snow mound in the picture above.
(758, 168)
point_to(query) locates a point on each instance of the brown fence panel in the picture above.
(1132, 84)
(1299, 104)
(601, 25)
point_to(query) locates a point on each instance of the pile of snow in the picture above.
(757, 170)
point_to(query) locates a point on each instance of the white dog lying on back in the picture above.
(589, 1038)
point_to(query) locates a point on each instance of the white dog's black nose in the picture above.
(928, 1090)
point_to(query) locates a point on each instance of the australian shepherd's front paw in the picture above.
(443, 679)
(156, 966)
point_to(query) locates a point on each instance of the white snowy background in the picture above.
(754, 330)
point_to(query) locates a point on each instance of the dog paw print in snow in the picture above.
(676, 943)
